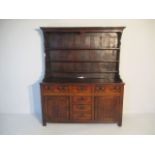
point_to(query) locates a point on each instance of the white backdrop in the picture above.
(22, 66)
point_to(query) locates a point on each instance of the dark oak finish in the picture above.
(82, 82)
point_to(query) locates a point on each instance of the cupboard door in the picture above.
(106, 108)
(57, 108)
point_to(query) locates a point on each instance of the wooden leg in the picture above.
(43, 110)
(44, 123)
(119, 123)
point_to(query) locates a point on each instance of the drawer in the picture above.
(55, 88)
(115, 89)
(81, 89)
(81, 100)
(77, 116)
(108, 89)
(100, 89)
(81, 107)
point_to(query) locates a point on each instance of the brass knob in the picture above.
(100, 88)
(47, 87)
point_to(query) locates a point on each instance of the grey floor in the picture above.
(30, 124)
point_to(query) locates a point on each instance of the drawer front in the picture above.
(81, 107)
(107, 89)
(81, 116)
(100, 89)
(81, 100)
(55, 88)
(81, 89)
(115, 89)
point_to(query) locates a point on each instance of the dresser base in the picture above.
(82, 103)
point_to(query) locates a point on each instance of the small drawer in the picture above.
(81, 100)
(81, 89)
(55, 88)
(81, 107)
(100, 89)
(114, 88)
(81, 116)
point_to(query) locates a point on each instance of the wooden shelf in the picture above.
(69, 61)
(85, 80)
(84, 72)
(76, 49)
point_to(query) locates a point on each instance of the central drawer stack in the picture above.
(81, 102)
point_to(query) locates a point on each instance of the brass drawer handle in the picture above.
(47, 87)
(62, 88)
(81, 107)
(100, 88)
(81, 88)
(116, 88)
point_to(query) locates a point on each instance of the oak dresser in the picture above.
(82, 82)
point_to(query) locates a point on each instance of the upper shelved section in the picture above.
(82, 38)
(89, 52)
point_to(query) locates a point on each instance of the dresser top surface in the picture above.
(82, 80)
(68, 29)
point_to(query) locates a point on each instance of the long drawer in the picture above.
(104, 89)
